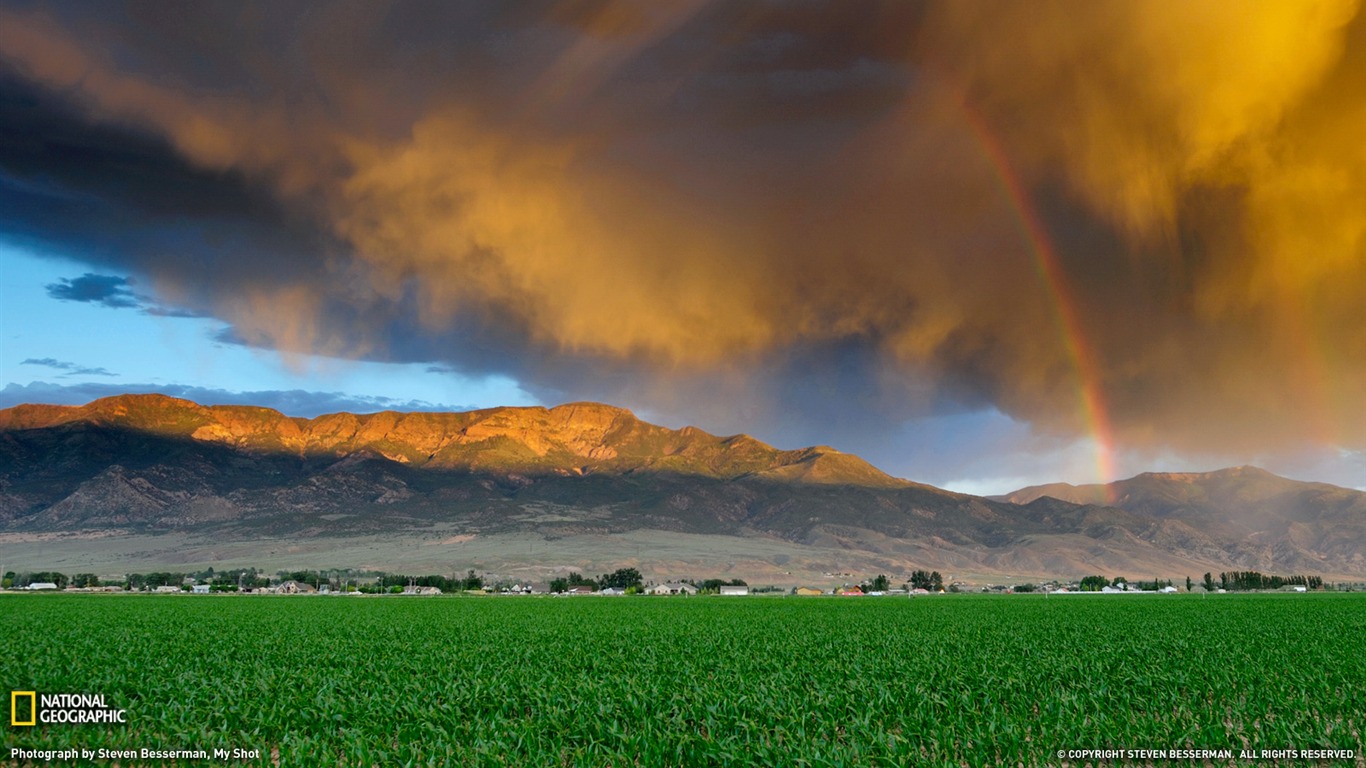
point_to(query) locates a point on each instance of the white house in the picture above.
(201, 589)
(672, 588)
(729, 589)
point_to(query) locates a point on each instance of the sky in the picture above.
(981, 244)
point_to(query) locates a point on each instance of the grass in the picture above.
(953, 680)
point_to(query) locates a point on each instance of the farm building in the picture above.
(292, 587)
(37, 585)
(731, 589)
(166, 589)
(579, 590)
(201, 589)
(807, 591)
(851, 592)
(672, 588)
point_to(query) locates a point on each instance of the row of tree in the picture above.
(1248, 580)
(1229, 580)
(381, 582)
(630, 580)
(626, 579)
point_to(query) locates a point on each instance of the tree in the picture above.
(878, 584)
(714, 585)
(1209, 582)
(922, 580)
(1094, 583)
(936, 582)
(621, 578)
(579, 580)
(471, 582)
(53, 577)
(559, 585)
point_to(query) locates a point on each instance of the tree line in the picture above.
(1237, 581)
(625, 579)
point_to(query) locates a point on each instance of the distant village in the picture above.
(623, 581)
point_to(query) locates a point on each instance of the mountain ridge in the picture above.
(500, 483)
(604, 437)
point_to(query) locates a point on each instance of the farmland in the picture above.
(975, 680)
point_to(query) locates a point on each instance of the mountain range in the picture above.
(138, 482)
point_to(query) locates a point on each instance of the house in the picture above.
(850, 592)
(201, 589)
(732, 589)
(579, 590)
(422, 591)
(293, 587)
(612, 591)
(919, 591)
(167, 589)
(672, 588)
(808, 591)
(1169, 589)
(41, 585)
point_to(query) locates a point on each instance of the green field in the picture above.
(949, 680)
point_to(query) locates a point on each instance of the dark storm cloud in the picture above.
(114, 292)
(109, 290)
(814, 217)
(70, 369)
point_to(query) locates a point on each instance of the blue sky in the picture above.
(70, 343)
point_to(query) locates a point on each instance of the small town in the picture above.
(622, 582)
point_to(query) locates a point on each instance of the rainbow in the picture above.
(1064, 309)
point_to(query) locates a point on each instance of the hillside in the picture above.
(129, 480)
(1293, 521)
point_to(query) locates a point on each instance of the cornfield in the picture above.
(947, 680)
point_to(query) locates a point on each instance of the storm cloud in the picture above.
(842, 215)
(109, 290)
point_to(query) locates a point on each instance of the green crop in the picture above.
(952, 680)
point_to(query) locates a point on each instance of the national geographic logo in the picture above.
(28, 708)
(15, 718)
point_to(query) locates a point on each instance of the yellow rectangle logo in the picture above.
(14, 697)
